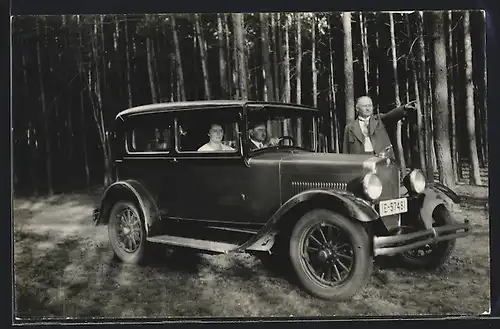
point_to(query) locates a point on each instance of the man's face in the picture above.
(364, 107)
(259, 133)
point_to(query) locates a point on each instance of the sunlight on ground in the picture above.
(64, 267)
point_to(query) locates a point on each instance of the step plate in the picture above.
(193, 243)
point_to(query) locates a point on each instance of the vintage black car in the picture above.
(327, 215)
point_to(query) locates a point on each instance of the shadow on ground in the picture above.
(64, 268)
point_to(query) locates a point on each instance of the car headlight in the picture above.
(372, 186)
(415, 181)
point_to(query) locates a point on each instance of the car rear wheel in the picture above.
(126, 233)
(330, 254)
(433, 256)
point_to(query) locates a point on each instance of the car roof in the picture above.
(194, 105)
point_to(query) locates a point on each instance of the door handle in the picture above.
(174, 160)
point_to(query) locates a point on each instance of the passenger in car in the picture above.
(216, 134)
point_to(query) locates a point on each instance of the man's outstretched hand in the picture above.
(411, 106)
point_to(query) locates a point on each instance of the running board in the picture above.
(220, 247)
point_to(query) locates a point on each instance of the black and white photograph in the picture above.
(256, 164)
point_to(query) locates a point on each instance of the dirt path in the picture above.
(64, 268)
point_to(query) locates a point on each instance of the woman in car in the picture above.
(216, 134)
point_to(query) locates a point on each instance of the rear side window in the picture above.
(150, 133)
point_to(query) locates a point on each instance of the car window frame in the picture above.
(132, 124)
(238, 153)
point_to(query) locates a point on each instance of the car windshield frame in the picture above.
(269, 111)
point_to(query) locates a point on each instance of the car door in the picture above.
(222, 186)
(149, 156)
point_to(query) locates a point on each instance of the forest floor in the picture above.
(64, 268)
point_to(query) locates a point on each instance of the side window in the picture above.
(208, 132)
(150, 133)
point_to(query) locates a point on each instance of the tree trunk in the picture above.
(298, 70)
(286, 66)
(474, 173)
(364, 45)
(275, 57)
(298, 74)
(424, 96)
(98, 109)
(420, 133)
(180, 72)
(155, 68)
(313, 62)
(236, 70)
(45, 113)
(451, 97)
(377, 77)
(399, 143)
(229, 71)
(440, 103)
(334, 132)
(240, 51)
(266, 58)
(222, 60)
(203, 53)
(485, 91)
(32, 148)
(150, 71)
(84, 144)
(348, 67)
(127, 62)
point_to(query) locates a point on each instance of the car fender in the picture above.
(431, 199)
(357, 208)
(442, 189)
(135, 191)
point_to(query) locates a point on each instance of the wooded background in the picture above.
(72, 74)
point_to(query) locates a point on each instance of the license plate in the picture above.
(393, 206)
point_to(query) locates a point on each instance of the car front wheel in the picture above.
(126, 232)
(432, 256)
(330, 254)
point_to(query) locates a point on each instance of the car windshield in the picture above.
(270, 127)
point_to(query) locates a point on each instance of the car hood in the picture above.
(315, 166)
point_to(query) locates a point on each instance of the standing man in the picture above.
(367, 134)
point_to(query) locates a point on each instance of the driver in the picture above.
(258, 135)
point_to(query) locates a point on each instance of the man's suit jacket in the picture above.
(354, 138)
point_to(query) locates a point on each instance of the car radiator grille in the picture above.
(389, 176)
(298, 187)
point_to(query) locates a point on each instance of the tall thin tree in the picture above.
(45, 110)
(348, 66)
(474, 173)
(440, 102)
(240, 50)
(397, 98)
(203, 53)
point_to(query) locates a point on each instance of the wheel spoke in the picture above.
(315, 240)
(337, 272)
(342, 265)
(329, 233)
(312, 248)
(344, 256)
(323, 235)
(341, 246)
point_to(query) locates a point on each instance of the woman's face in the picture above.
(216, 133)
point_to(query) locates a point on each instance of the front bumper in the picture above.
(390, 245)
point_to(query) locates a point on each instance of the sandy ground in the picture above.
(64, 268)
